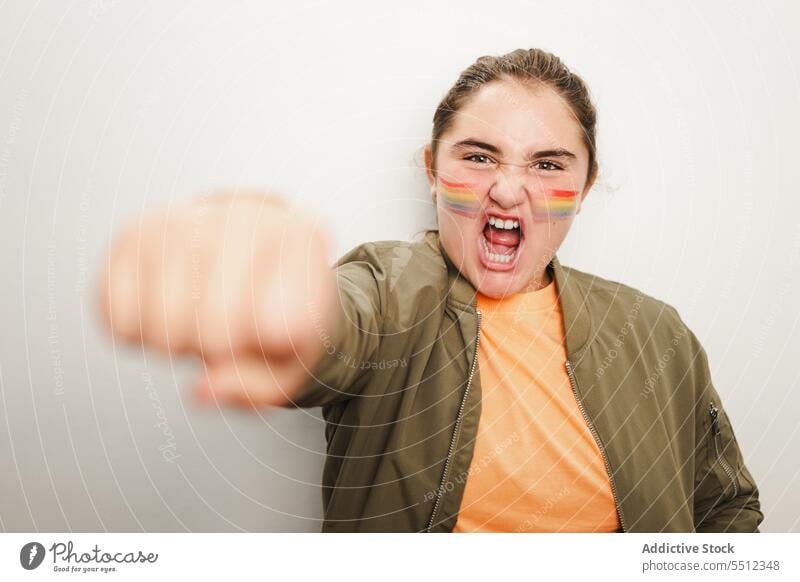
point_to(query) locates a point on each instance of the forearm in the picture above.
(350, 339)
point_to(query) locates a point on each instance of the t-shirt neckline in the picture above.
(544, 299)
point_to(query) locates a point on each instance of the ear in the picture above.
(428, 155)
(584, 194)
(586, 188)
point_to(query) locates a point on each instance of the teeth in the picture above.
(494, 257)
(504, 224)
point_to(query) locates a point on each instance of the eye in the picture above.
(481, 159)
(546, 165)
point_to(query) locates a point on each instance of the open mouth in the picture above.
(500, 243)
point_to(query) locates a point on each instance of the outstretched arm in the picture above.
(240, 281)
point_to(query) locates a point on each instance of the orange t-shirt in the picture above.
(536, 465)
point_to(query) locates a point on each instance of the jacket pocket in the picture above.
(719, 454)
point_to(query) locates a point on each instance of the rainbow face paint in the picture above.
(555, 205)
(459, 198)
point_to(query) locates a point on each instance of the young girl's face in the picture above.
(511, 176)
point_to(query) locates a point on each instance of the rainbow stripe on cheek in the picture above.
(555, 205)
(459, 198)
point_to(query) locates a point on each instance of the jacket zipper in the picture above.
(715, 431)
(440, 491)
(596, 436)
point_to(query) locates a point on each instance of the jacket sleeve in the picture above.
(725, 494)
(352, 342)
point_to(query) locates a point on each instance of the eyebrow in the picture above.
(551, 153)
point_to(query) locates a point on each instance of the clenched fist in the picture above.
(241, 281)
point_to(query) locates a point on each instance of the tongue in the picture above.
(501, 241)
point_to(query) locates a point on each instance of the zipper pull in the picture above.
(714, 412)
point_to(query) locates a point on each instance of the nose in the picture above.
(509, 188)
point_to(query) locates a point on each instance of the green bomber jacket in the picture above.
(400, 390)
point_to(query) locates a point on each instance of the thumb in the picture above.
(248, 382)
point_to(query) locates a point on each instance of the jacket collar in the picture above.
(571, 294)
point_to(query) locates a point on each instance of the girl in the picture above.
(469, 381)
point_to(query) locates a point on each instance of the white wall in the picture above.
(108, 106)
